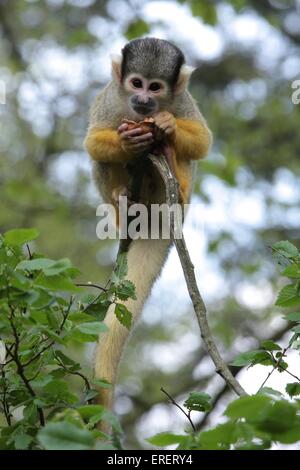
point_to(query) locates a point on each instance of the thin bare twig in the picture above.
(171, 187)
(188, 415)
(277, 366)
(29, 252)
(90, 284)
(290, 373)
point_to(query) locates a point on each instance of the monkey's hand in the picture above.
(135, 141)
(166, 122)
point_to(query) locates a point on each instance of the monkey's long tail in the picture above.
(145, 260)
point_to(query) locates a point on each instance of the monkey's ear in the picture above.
(116, 62)
(183, 78)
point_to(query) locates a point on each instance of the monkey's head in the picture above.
(150, 72)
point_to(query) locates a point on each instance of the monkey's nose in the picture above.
(143, 99)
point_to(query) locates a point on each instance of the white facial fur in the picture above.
(145, 94)
(144, 91)
(146, 85)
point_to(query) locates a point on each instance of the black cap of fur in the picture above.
(153, 58)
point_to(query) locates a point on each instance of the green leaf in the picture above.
(48, 266)
(291, 435)
(253, 357)
(56, 283)
(248, 407)
(125, 290)
(121, 268)
(20, 236)
(80, 317)
(296, 345)
(67, 361)
(58, 267)
(244, 359)
(292, 271)
(166, 439)
(22, 441)
(101, 383)
(35, 264)
(293, 389)
(19, 281)
(294, 341)
(205, 11)
(282, 366)
(278, 418)
(123, 315)
(92, 328)
(26, 298)
(41, 380)
(51, 334)
(293, 316)
(65, 436)
(59, 390)
(238, 4)
(100, 445)
(76, 335)
(90, 394)
(30, 413)
(198, 401)
(87, 332)
(286, 248)
(136, 29)
(270, 391)
(112, 420)
(88, 411)
(288, 296)
(270, 345)
(221, 436)
(98, 309)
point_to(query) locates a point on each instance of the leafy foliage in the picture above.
(44, 316)
(198, 402)
(257, 421)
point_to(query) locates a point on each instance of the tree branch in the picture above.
(171, 187)
(20, 368)
(3, 400)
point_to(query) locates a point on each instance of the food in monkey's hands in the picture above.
(147, 125)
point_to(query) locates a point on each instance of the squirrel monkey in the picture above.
(149, 79)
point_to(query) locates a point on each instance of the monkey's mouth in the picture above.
(144, 110)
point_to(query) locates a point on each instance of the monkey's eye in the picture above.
(137, 83)
(155, 86)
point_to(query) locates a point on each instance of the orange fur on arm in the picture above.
(104, 145)
(192, 139)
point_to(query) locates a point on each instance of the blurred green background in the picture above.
(54, 58)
